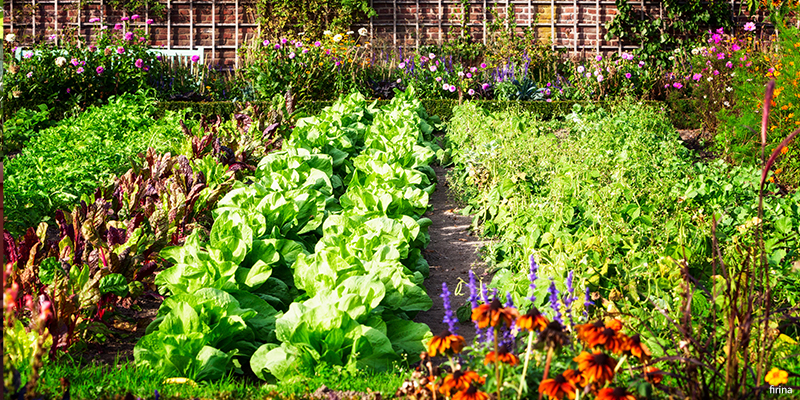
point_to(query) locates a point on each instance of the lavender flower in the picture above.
(532, 277)
(509, 300)
(587, 301)
(449, 318)
(473, 290)
(570, 299)
(554, 301)
(485, 293)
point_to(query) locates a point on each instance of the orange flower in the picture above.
(471, 393)
(784, 150)
(776, 377)
(586, 331)
(637, 348)
(493, 314)
(533, 320)
(460, 380)
(615, 394)
(653, 375)
(596, 367)
(562, 384)
(444, 343)
(613, 341)
(614, 324)
(502, 355)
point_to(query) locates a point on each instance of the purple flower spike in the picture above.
(449, 318)
(554, 302)
(532, 277)
(473, 290)
(509, 300)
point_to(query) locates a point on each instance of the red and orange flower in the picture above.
(460, 380)
(445, 343)
(614, 341)
(596, 367)
(637, 348)
(563, 384)
(533, 320)
(494, 314)
(586, 331)
(502, 355)
(471, 393)
(614, 394)
(653, 375)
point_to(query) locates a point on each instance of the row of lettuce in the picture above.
(315, 259)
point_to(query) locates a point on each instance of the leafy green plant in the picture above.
(22, 127)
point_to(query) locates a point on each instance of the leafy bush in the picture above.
(79, 154)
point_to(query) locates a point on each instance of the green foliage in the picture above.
(79, 154)
(22, 127)
(679, 26)
(311, 17)
(328, 232)
(612, 195)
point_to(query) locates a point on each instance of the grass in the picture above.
(107, 382)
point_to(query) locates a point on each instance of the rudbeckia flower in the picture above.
(554, 335)
(653, 375)
(615, 394)
(493, 314)
(460, 380)
(637, 348)
(586, 331)
(776, 377)
(471, 393)
(613, 341)
(444, 343)
(532, 321)
(614, 324)
(596, 367)
(560, 385)
(502, 355)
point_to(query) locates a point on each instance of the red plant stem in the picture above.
(550, 352)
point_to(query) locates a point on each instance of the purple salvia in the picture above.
(509, 300)
(485, 293)
(449, 318)
(587, 301)
(473, 290)
(569, 298)
(532, 277)
(554, 302)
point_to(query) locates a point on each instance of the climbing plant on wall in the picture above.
(682, 21)
(311, 17)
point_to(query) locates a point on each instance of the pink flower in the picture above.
(29, 75)
(432, 68)
(79, 70)
(141, 39)
(472, 69)
(736, 47)
(750, 26)
(284, 40)
(195, 58)
(599, 58)
(135, 16)
(118, 27)
(485, 86)
(158, 57)
(277, 46)
(138, 63)
(438, 79)
(305, 51)
(460, 74)
(100, 70)
(452, 88)
(729, 64)
(697, 77)
(120, 50)
(599, 78)
(641, 64)
(677, 85)
(721, 56)
(74, 62)
(92, 47)
(124, 18)
(628, 75)
(431, 56)
(483, 65)
(94, 19)
(471, 92)
(469, 75)
(716, 72)
(317, 43)
(128, 36)
(298, 44)
(148, 21)
(401, 65)
(291, 55)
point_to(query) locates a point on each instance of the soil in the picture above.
(453, 251)
(128, 328)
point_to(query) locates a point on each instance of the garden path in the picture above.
(453, 251)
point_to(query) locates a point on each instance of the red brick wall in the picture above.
(395, 25)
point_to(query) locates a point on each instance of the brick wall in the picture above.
(221, 26)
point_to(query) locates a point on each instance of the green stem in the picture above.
(525, 368)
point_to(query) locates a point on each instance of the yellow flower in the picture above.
(776, 377)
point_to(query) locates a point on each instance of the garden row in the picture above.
(655, 233)
(316, 259)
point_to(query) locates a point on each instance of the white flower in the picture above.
(581, 69)
(709, 79)
(728, 89)
(677, 51)
(350, 32)
(326, 33)
(301, 34)
(61, 61)
(431, 56)
(671, 58)
(337, 38)
(695, 51)
(11, 37)
(362, 32)
(734, 74)
(727, 104)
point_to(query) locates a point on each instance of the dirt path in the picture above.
(453, 251)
